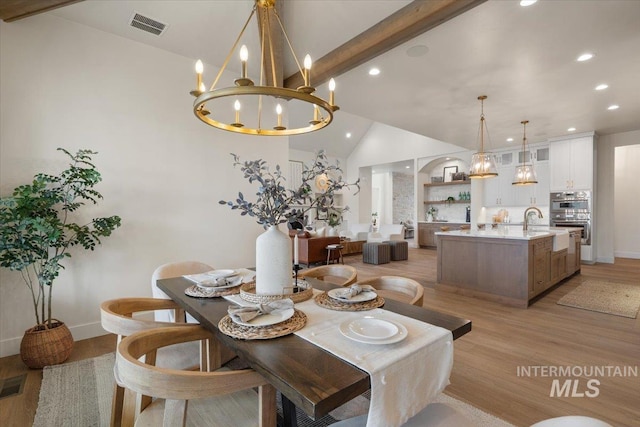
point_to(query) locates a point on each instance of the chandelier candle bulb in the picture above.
(199, 70)
(295, 250)
(279, 113)
(307, 69)
(236, 106)
(244, 56)
(332, 88)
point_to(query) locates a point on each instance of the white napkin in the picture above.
(246, 314)
(353, 290)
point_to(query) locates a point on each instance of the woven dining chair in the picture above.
(167, 271)
(224, 397)
(397, 288)
(119, 316)
(338, 274)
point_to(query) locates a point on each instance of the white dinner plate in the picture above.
(212, 286)
(221, 273)
(268, 319)
(346, 330)
(361, 297)
(373, 328)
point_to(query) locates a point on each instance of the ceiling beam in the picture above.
(412, 20)
(12, 10)
(269, 29)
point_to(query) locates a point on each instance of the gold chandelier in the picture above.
(483, 165)
(525, 173)
(265, 100)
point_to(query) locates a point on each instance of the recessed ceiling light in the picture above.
(585, 57)
(571, 130)
(602, 86)
(525, 3)
(407, 167)
(417, 50)
(374, 71)
(509, 139)
(613, 107)
(447, 158)
(348, 135)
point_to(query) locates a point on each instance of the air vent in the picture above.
(147, 24)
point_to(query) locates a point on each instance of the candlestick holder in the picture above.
(296, 268)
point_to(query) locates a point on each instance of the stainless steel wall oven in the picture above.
(572, 209)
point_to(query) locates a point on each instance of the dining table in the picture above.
(307, 376)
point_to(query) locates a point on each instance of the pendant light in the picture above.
(483, 165)
(525, 174)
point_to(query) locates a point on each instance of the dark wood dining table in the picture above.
(307, 376)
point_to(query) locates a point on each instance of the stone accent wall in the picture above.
(403, 198)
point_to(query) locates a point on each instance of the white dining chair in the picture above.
(434, 415)
(572, 421)
(169, 270)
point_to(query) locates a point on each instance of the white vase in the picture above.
(332, 231)
(273, 262)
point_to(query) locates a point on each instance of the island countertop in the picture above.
(506, 233)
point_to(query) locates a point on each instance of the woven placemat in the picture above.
(324, 300)
(248, 293)
(289, 326)
(198, 292)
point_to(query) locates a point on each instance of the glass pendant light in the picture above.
(525, 173)
(483, 165)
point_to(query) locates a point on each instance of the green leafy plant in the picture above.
(36, 229)
(275, 204)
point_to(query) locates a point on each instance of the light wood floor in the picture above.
(486, 360)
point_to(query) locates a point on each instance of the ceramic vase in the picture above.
(273, 262)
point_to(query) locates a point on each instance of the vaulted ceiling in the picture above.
(435, 58)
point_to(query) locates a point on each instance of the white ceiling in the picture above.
(524, 59)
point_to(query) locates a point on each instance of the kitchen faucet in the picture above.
(525, 225)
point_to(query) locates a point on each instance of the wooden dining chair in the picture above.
(397, 288)
(167, 271)
(230, 398)
(119, 316)
(341, 275)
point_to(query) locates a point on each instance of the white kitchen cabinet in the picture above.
(535, 194)
(498, 191)
(571, 163)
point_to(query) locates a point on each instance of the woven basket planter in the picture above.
(43, 346)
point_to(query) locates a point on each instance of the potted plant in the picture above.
(334, 219)
(36, 233)
(275, 204)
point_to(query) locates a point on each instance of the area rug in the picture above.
(78, 394)
(605, 297)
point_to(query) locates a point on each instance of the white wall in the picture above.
(67, 85)
(627, 202)
(606, 204)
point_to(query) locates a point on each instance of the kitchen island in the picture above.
(508, 265)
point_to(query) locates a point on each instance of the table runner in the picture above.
(405, 376)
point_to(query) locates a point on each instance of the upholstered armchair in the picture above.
(312, 250)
